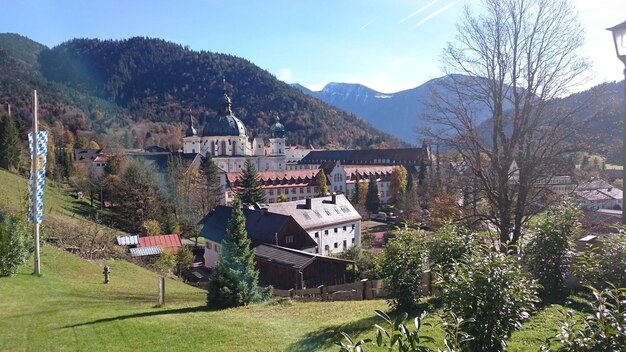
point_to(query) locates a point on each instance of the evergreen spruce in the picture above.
(214, 189)
(9, 143)
(322, 182)
(234, 281)
(250, 190)
(372, 202)
(356, 196)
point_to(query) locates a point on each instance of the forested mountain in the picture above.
(150, 86)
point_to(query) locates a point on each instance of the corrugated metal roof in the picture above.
(145, 251)
(129, 240)
(165, 241)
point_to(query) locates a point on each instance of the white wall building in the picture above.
(331, 221)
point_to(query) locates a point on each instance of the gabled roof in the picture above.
(323, 211)
(170, 242)
(261, 225)
(291, 257)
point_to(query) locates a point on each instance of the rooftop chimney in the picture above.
(333, 198)
(308, 203)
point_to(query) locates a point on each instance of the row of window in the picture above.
(294, 190)
(335, 245)
(335, 230)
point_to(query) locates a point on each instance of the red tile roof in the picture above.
(279, 178)
(170, 242)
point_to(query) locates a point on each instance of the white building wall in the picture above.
(211, 253)
(337, 238)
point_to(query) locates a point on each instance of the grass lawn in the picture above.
(69, 308)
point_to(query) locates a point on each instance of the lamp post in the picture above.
(619, 38)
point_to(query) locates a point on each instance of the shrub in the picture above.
(603, 330)
(491, 289)
(548, 254)
(448, 245)
(15, 244)
(364, 260)
(401, 265)
(598, 267)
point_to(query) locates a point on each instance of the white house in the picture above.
(331, 221)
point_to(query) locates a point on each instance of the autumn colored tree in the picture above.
(397, 186)
(322, 183)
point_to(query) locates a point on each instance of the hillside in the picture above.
(147, 86)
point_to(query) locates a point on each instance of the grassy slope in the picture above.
(69, 308)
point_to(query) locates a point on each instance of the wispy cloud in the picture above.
(436, 13)
(418, 11)
(365, 25)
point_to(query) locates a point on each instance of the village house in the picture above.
(283, 249)
(332, 222)
(598, 194)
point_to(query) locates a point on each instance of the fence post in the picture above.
(323, 291)
(161, 290)
(364, 289)
(291, 293)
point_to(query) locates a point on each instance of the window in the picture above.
(345, 228)
(353, 226)
(293, 191)
(327, 212)
(307, 215)
(325, 232)
(326, 248)
(302, 190)
(336, 230)
(352, 240)
(336, 245)
(208, 245)
(217, 248)
(288, 239)
(278, 191)
(345, 244)
(271, 192)
(317, 234)
(308, 190)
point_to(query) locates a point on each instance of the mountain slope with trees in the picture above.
(145, 87)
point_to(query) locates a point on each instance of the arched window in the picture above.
(212, 148)
(223, 148)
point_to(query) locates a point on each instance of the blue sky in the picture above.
(387, 45)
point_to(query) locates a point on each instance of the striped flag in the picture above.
(39, 176)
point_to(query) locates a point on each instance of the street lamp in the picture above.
(619, 38)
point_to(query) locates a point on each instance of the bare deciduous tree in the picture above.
(499, 108)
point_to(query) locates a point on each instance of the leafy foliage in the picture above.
(365, 263)
(401, 265)
(15, 244)
(448, 245)
(138, 196)
(490, 288)
(234, 281)
(322, 181)
(602, 330)
(397, 186)
(598, 267)
(10, 145)
(548, 254)
(250, 189)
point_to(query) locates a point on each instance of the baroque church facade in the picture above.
(226, 138)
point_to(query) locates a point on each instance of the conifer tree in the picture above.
(372, 202)
(234, 281)
(322, 182)
(214, 189)
(250, 190)
(356, 196)
(9, 143)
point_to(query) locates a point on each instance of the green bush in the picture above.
(401, 265)
(449, 244)
(364, 260)
(602, 330)
(489, 288)
(16, 244)
(600, 267)
(548, 254)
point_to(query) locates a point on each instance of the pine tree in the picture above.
(356, 196)
(212, 181)
(372, 202)
(234, 281)
(9, 143)
(322, 182)
(250, 190)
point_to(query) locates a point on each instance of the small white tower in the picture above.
(277, 140)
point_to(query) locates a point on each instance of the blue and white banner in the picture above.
(37, 179)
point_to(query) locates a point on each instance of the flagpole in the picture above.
(34, 171)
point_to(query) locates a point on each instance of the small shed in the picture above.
(287, 268)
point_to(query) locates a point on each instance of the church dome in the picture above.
(225, 123)
(277, 130)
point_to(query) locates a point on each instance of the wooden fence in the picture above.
(356, 291)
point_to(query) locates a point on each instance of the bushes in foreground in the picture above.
(16, 244)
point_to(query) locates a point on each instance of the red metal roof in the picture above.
(170, 242)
